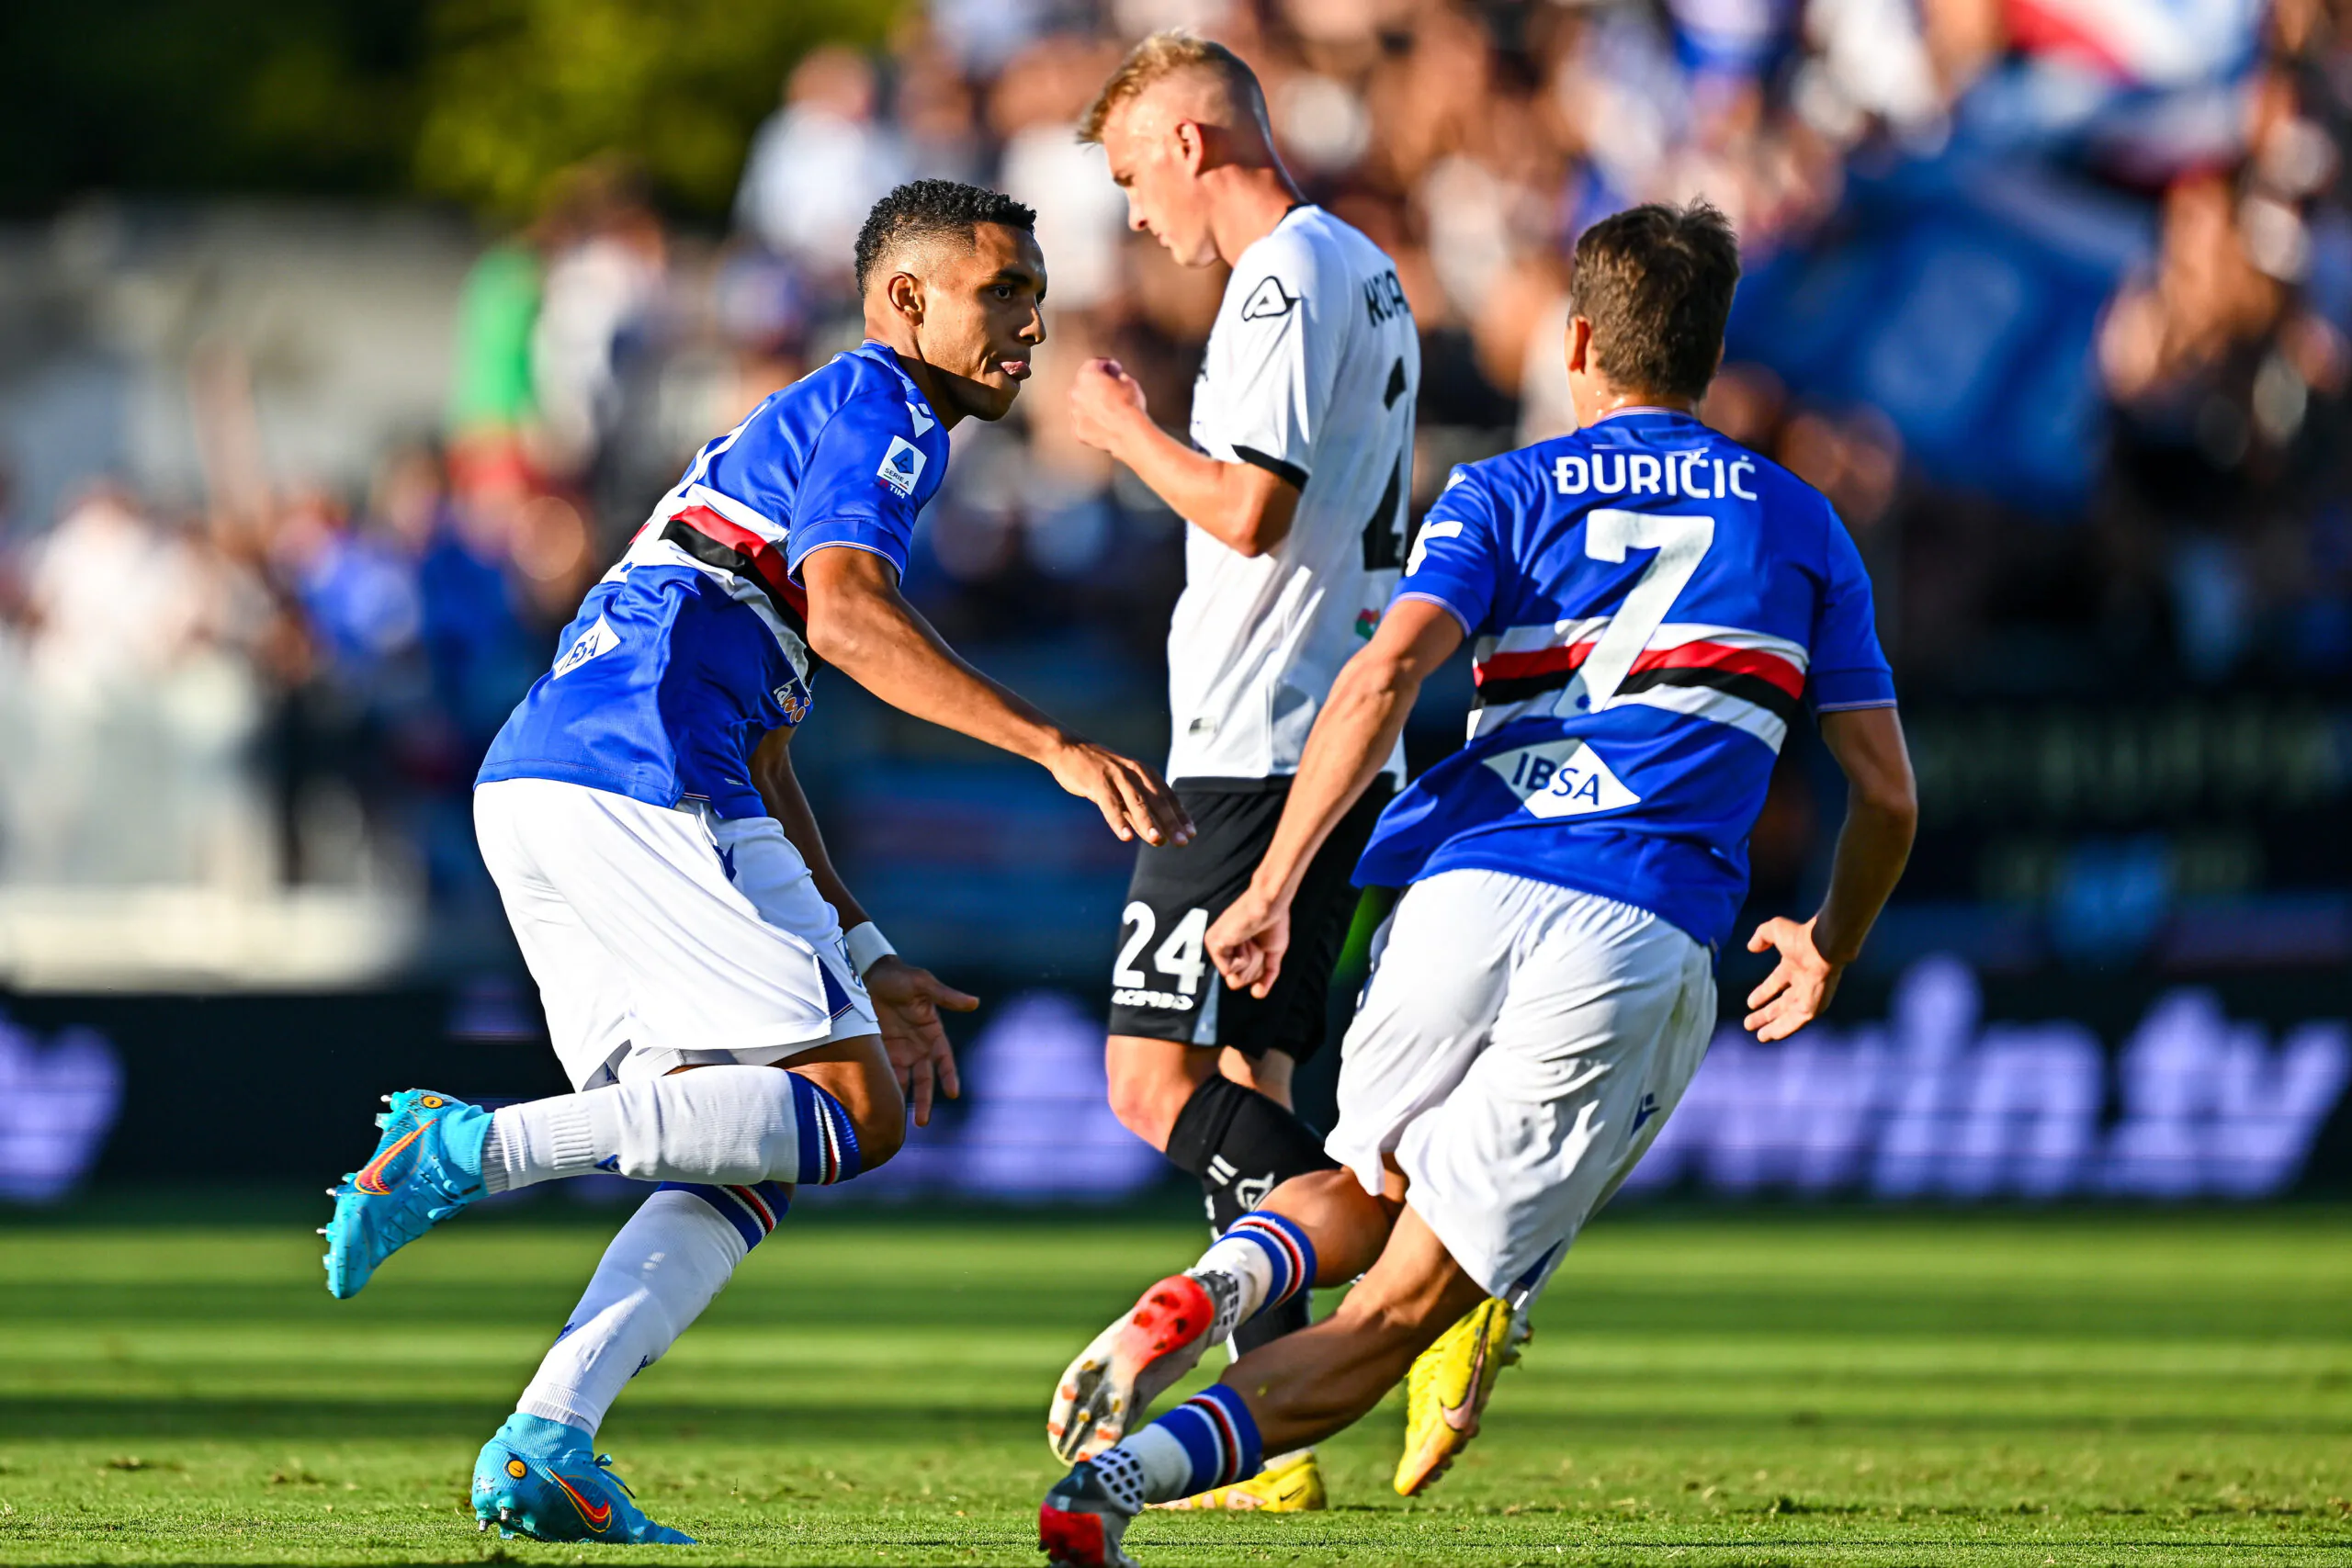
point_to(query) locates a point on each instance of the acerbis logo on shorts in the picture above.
(1163, 1002)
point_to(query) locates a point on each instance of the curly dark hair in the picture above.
(924, 209)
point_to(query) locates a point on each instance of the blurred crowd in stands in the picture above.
(2166, 503)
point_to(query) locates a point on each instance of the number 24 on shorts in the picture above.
(1180, 956)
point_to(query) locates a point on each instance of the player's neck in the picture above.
(1249, 203)
(1597, 403)
(925, 375)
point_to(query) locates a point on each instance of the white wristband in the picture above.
(867, 946)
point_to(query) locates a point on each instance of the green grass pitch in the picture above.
(1705, 1388)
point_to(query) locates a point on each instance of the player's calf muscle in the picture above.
(1309, 1385)
(1349, 1226)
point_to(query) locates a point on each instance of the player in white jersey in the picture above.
(1294, 486)
(1652, 606)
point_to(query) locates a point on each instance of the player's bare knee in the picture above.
(879, 1114)
(1140, 1108)
(879, 1137)
(1151, 1081)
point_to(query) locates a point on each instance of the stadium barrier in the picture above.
(1945, 1086)
(1937, 1100)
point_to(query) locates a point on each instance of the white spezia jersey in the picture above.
(1311, 373)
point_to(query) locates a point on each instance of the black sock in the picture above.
(1242, 1145)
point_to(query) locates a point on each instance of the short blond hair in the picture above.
(1171, 53)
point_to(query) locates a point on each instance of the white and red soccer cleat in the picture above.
(1136, 1360)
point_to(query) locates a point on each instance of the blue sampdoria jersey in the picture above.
(1650, 604)
(695, 644)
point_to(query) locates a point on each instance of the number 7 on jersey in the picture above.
(1681, 543)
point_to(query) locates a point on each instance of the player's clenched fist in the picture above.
(1247, 943)
(1131, 796)
(1102, 400)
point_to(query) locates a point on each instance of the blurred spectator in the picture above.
(490, 393)
(937, 110)
(819, 162)
(1081, 216)
(135, 706)
(604, 287)
(2053, 299)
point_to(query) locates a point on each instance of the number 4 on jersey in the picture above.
(1384, 531)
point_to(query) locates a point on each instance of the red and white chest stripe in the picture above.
(698, 527)
(1748, 680)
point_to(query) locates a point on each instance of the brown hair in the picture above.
(1656, 283)
(1163, 55)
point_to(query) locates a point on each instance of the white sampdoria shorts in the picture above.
(1519, 1047)
(663, 938)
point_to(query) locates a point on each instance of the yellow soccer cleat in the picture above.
(1290, 1484)
(1448, 1388)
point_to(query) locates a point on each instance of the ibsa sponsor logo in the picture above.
(1561, 778)
(596, 641)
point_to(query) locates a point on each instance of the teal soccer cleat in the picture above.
(426, 1166)
(540, 1479)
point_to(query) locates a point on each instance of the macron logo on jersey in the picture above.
(901, 465)
(1267, 300)
(597, 639)
(1561, 778)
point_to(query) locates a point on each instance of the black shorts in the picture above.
(1162, 985)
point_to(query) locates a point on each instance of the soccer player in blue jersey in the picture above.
(1650, 606)
(666, 882)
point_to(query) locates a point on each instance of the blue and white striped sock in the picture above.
(828, 1137)
(754, 1211)
(1210, 1440)
(1269, 1255)
(675, 1253)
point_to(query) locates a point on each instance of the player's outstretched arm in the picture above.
(1882, 815)
(1243, 507)
(861, 624)
(907, 1000)
(1352, 740)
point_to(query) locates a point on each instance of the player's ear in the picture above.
(1191, 146)
(1579, 347)
(905, 293)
